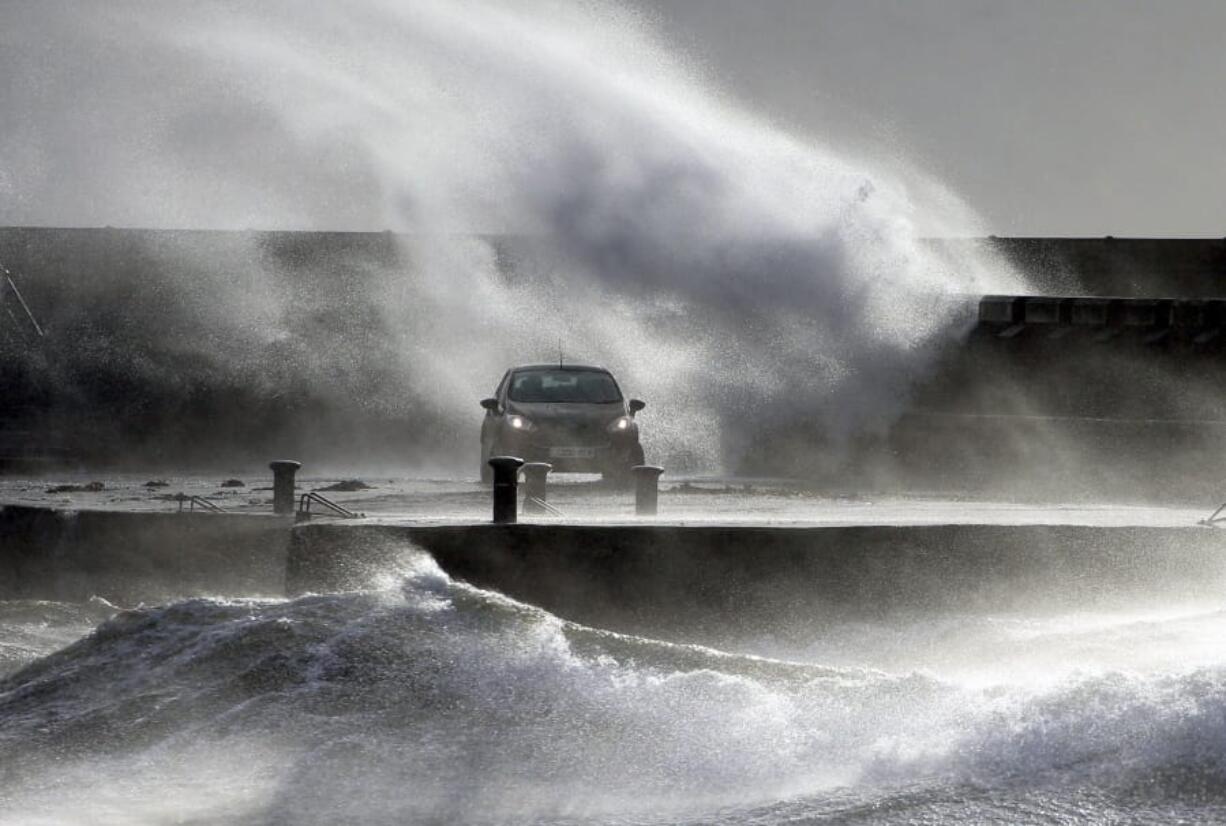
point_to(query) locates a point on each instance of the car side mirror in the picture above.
(490, 404)
(636, 405)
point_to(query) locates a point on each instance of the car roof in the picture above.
(559, 367)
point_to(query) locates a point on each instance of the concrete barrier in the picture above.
(1198, 313)
(1047, 310)
(131, 557)
(682, 581)
(701, 582)
(1093, 312)
(1002, 310)
(1145, 313)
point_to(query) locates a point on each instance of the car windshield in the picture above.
(581, 386)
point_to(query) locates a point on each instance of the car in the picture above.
(572, 416)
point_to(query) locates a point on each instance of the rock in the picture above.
(233, 483)
(347, 486)
(157, 483)
(88, 487)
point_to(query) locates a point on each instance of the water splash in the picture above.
(429, 700)
(735, 275)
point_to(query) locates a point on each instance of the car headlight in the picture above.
(519, 422)
(620, 425)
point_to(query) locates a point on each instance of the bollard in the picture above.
(506, 487)
(646, 489)
(535, 474)
(283, 471)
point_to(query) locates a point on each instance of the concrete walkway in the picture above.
(695, 501)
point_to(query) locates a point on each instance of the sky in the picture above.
(1095, 117)
(1050, 117)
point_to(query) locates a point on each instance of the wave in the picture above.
(431, 700)
(31, 628)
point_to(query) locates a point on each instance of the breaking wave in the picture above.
(641, 213)
(432, 701)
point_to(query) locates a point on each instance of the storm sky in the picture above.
(1048, 117)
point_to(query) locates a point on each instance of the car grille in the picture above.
(571, 433)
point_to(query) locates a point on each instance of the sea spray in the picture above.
(428, 700)
(649, 214)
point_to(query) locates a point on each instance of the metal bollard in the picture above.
(535, 474)
(646, 489)
(506, 487)
(283, 471)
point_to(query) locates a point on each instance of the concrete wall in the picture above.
(140, 369)
(166, 349)
(685, 582)
(1127, 267)
(707, 583)
(129, 558)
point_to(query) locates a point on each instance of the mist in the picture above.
(783, 281)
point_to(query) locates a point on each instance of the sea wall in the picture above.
(704, 582)
(60, 260)
(1108, 266)
(217, 350)
(128, 558)
(685, 581)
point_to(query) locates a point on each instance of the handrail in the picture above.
(1214, 518)
(193, 501)
(542, 504)
(21, 300)
(304, 506)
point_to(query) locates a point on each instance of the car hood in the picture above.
(570, 413)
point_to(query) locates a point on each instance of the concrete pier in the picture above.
(128, 557)
(694, 579)
(703, 581)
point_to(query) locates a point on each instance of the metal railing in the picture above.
(542, 504)
(1215, 517)
(8, 276)
(304, 507)
(193, 501)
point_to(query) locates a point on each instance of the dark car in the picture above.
(573, 417)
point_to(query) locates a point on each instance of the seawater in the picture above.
(427, 700)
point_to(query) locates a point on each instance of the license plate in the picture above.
(572, 453)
